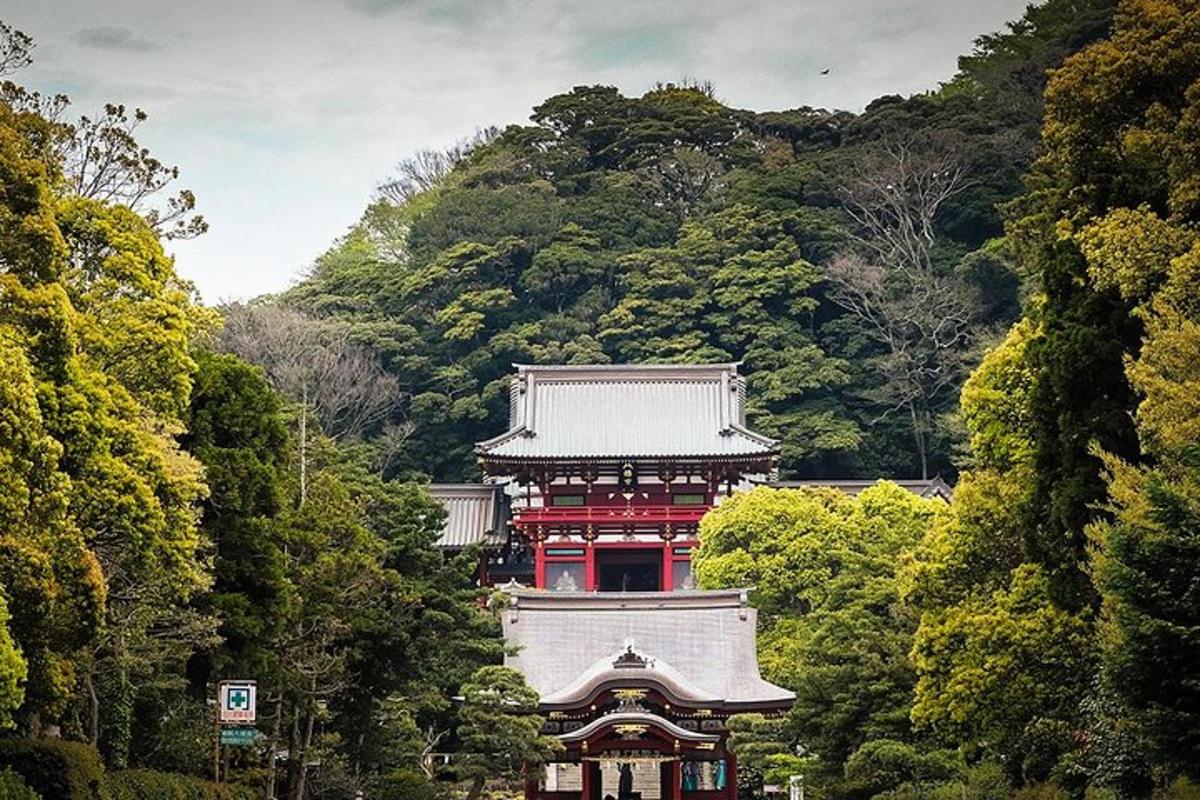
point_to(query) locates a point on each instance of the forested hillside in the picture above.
(672, 227)
(1041, 632)
(996, 280)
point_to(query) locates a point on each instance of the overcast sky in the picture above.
(284, 114)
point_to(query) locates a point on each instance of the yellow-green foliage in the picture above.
(833, 629)
(790, 543)
(1114, 123)
(995, 402)
(1130, 249)
(989, 664)
(13, 787)
(98, 502)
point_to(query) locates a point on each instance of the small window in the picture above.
(566, 576)
(688, 499)
(560, 500)
(682, 578)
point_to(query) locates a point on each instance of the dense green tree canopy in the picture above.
(671, 227)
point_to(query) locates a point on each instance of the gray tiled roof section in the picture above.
(922, 487)
(707, 636)
(628, 411)
(473, 514)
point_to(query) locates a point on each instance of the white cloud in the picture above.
(283, 114)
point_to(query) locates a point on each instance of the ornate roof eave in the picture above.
(631, 669)
(638, 718)
(615, 460)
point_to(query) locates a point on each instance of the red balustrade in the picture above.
(608, 516)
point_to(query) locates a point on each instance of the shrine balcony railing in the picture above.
(607, 516)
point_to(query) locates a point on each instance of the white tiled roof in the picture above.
(628, 411)
(473, 514)
(702, 641)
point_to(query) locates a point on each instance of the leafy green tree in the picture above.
(1145, 558)
(499, 730)
(762, 746)
(13, 670)
(836, 631)
(237, 428)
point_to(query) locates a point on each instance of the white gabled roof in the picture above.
(697, 645)
(473, 514)
(629, 411)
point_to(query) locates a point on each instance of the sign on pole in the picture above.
(239, 737)
(236, 702)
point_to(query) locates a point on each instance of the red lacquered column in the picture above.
(590, 568)
(539, 565)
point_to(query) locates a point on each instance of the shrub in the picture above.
(147, 784)
(1041, 791)
(13, 787)
(56, 769)
(1180, 789)
(406, 784)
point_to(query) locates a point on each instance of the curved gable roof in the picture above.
(627, 412)
(701, 644)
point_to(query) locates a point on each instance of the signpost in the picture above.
(234, 720)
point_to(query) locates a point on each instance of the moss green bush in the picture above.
(1041, 791)
(13, 787)
(146, 784)
(55, 769)
(1180, 789)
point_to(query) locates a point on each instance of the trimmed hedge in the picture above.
(13, 787)
(146, 784)
(55, 769)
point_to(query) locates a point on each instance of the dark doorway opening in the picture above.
(635, 570)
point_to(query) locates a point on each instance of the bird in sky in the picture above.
(825, 71)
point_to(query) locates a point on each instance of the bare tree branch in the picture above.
(340, 381)
(425, 169)
(924, 319)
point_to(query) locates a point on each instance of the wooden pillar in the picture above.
(591, 780)
(674, 790)
(668, 573)
(590, 568)
(539, 564)
(731, 776)
(531, 781)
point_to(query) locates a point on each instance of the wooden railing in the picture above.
(608, 515)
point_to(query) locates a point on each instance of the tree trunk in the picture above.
(476, 788)
(919, 438)
(302, 779)
(93, 708)
(121, 709)
(272, 749)
(293, 751)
